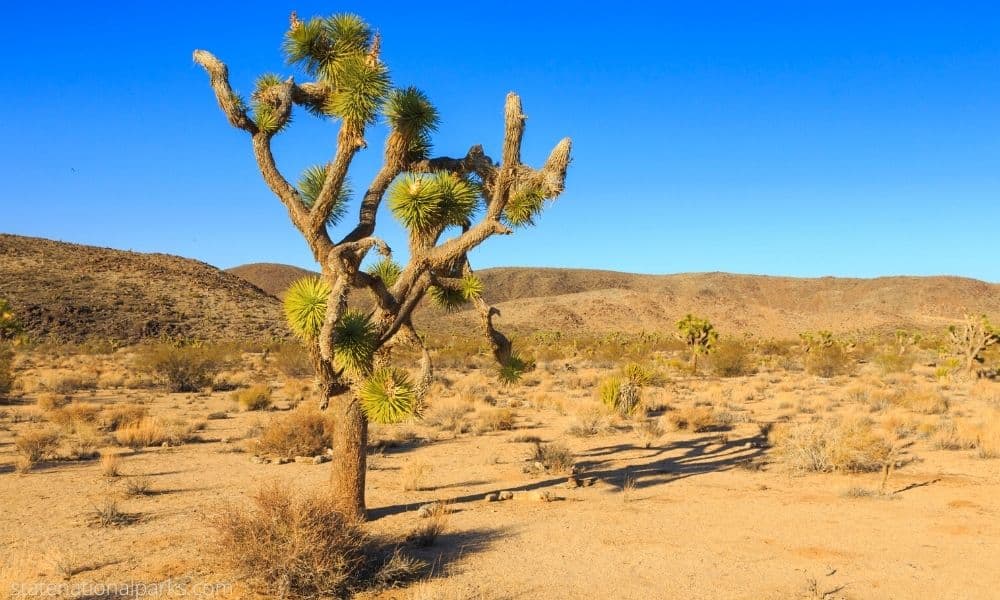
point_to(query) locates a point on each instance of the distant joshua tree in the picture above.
(11, 334)
(699, 335)
(464, 200)
(972, 338)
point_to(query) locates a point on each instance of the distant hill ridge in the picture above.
(582, 300)
(72, 293)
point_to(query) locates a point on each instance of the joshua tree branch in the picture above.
(229, 102)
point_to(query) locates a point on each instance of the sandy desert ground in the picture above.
(716, 513)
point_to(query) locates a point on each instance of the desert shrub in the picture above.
(6, 369)
(554, 457)
(299, 547)
(849, 445)
(430, 527)
(111, 465)
(497, 419)
(304, 431)
(650, 431)
(36, 444)
(693, 418)
(622, 393)
(894, 362)
(75, 414)
(414, 475)
(450, 415)
(116, 416)
(183, 367)
(590, 420)
(293, 360)
(829, 361)
(257, 397)
(150, 431)
(924, 400)
(48, 401)
(731, 358)
(69, 384)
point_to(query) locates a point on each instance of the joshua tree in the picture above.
(448, 205)
(972, 338)
(699, 335)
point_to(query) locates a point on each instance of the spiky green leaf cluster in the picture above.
(409, 111)
(310, 184)
(622, 393)
(305, 306)
(452, 297)
(387, 270)
(425, 203)
(361, 88)
(354, 343)
(265, 112)
(388, 396)
(523, 206)
(320, 44)
(511, 370)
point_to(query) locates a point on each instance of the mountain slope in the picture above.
(273, 278)
(581, 300)
(71, 293)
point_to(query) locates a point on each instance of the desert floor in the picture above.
(711, 514)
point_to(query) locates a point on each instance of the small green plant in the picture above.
(698, 335)
(825, 356)
(256, 397)
(622, 393)
(184, 367)
(731, 358)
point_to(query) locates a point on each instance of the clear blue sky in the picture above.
(794, 138)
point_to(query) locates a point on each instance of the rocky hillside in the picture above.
(72, 293)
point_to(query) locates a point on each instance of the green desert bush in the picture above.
(829, 361)
(256, 397)
(731, 358)
(185, 367)
(894, 362)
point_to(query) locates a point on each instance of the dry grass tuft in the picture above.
(295, 547)
(431, 526)
(554, 458)
(693, 418)
(111, 465)
(305, 431)
(413, 476)
(849, 445)
(497, 419)
(256, 397)
(450, 415)
(37, 443)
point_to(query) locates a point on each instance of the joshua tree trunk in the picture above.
(694, 361)
(448, 205)
(350, 445)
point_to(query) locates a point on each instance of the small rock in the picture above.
(224, 440)
(284, 460)
(329, 451)
(427, 510)
(491, 497)
(258, 460)
(304, 459)
(165, 445)
(320, 459)
(505, 495)
(588, 481)
(572, 483)
(540, 496)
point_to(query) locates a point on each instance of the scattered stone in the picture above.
(329, 451)
(572, 483)
(224, 440)
(505, 495)
(540, 496)
(427, 509)
(284, 460)
(257, 460)
(491, 497)
(320, 459)
(304, 459)
(588, 481)
(165, 445)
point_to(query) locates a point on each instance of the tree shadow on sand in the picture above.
(706, 454)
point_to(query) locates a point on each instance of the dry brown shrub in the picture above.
(497, 419)
(292, 547)
(116, 416)
(413, 476)
(49, 401)
(846, 445)
(450, 415)
(256, 397)
(693, 418)
(304, 431)
(152, 431)
(37, 443)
